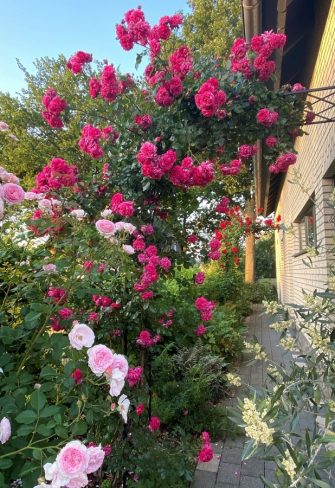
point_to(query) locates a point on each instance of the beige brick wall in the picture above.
(316, 156)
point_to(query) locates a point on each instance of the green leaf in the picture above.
(49, 411)
(37, 454)
(249, 449)
(320, 483)
(24, 430)
(62, 432)
(38, 400)
(79, 428)
(5, 464)
(26, 417)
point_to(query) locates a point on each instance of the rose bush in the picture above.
(85, 302)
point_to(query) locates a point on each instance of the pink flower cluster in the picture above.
(210, 99)
(154, 424)
(200, 330)
(271, 141)
(56, 175)
(53, 105)
(267, 117)
(121, 207)
(247, 151)
(206, 453)
(77, 61)
(187, 175)
(223, 205)
(134, 29)
(153, 165)
(134, 376)
(146, 339)
(151, 261)
(103, 361)
(243, 57)
(205, 307)
(108, 86)
(167, 319)
(73, 463)
(104, 301)
(233, 168)
(91, 137)
(143, 121)
(214, 246)
(283, 162)
(58, 295)
(199, 278)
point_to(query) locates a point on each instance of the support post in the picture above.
(249, 275)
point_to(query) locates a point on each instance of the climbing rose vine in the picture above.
(89, 312)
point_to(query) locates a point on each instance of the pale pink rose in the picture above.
(78, 482)
(100, 357)
(128, 227)
(123, 407)
(116, 382)
(106, 213)
(3, 126)
(5, 430)
(2, 208)
(119, 226)
(51, 473)
(30, 195)
(105, 227)
(45, 204)
(96, 458)
(13, 193)
(72, 460)
(78, 213)
(81, 335)
(119, 362)
(49, 268)
(128, 249)
(55, 202)
(10, 178)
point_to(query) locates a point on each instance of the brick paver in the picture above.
(231, 471)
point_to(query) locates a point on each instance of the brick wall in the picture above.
(316, 165)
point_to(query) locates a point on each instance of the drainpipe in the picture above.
(251, 10)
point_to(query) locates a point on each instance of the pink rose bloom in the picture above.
(298, 87)
(205, 437)
(206, 454)
(105, 227)
(139, 409)
(93, 317)
(96, 458)
(49, 268)
(200, 330)
(77, 376)
(199, 278)
(165, 263)
(100, 358)
(72, 460)
(154, 424)
(128, 227)
(78, 213)
(119, 362)
(13, 193)
(5, 430)
(30, 195)
(147, 229)
(81, 335)
(271, 141)
(65, 313)
(10, 178)
(134, 376)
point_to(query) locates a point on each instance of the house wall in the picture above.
(316, 168)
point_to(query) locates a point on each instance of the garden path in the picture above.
(226, 470)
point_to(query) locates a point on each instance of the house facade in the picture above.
(305, 252)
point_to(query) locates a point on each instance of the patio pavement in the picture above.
(227, 470)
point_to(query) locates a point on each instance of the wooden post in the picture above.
(249, 274)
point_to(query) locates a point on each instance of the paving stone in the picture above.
(270, 466)
(212, 466)
(250, 482)
(237, 442)
(229, 473)
(204, 479)
(226, 485)
(253, 467)
(232, 455)
(270, 476)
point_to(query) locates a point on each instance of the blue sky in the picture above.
(31, 29)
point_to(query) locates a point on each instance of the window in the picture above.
(307, 229)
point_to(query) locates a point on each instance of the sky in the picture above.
(31, 29)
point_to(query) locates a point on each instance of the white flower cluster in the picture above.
(234, 379)
(288, 343)
(272, 307)
(255, 349)
(282, 326)
(256, 428)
